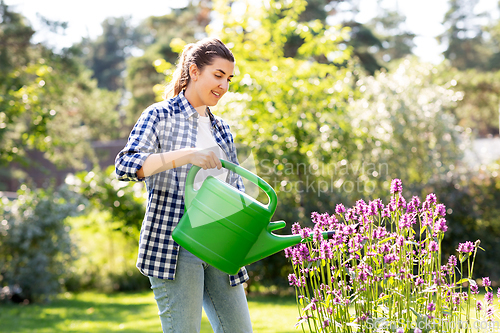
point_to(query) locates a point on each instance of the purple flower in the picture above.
(489, 312)
(440, 209)
(384, 248)
(413, 205)
(364, 271)
(294, 281)
(351, 215)
(431, 307)
(489, 298)
(400, 330)
(427, 220)
(486, 282)
(401, 202)
(305, 233)
(466, 247)
(339, 209)
(440, 225)
(302, 253)
(296, 228)
(452, 261)
(474, 289)
(406, 221)
(431, 199)
(317, 235)
(374, 207)
(498, 293)
(433, 246)
(326, 323)
(479, 306)
(419, 281)
(386, 212)
(355, 243)
(417, 330)
(396, 186)
(393, 204)
(390, 258)
(379, 233)
(326, 250)
(315, 217)
(400, 240)
(361, 207)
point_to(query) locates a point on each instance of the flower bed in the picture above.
(383, 271)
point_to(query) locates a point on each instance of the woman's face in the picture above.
(209, 85)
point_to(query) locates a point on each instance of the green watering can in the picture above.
(227, 228)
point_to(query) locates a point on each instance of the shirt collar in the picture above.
(187, 109)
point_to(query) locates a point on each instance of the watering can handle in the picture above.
(190, 193)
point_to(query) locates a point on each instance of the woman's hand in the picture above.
(205, 159)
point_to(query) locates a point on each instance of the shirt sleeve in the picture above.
(142, 142)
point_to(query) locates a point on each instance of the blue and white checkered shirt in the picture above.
(167, 126)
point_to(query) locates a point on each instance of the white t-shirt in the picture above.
(206, 141)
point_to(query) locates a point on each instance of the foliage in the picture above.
(47, 101)
(35, 244)
(107, 255)
(479, 108)
(124, 203)
(106, 56)
(411, 133)
(396, 42)
(469, 42)
(383, 270)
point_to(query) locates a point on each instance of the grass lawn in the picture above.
(129, 312)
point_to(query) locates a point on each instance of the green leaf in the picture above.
(463, 256)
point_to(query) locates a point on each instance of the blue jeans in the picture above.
(198, 284)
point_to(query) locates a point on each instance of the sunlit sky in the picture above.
(84, 18)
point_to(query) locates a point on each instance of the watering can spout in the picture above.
(268, 243)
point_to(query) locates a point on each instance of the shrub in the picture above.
(106, 255)
(35, 243)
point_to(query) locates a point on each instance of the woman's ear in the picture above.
(193, 72)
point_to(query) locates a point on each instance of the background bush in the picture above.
(35, 243)
(106, 256)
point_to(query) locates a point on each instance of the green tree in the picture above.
(479, 108)
(106, 56)
(412, 132)
(396, 42)
(464, 36)
(48, 102)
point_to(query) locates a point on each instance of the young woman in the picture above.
(170, 137)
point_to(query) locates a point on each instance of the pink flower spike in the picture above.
(396, 186)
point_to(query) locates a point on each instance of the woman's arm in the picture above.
(160, 162)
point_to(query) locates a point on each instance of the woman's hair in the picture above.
(201, 53)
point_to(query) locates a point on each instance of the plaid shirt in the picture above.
(167, 126)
